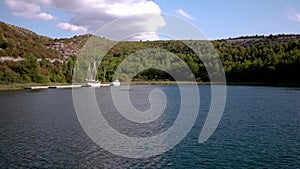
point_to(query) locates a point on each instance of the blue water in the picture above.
(260, 128)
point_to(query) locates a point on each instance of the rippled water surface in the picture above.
(260, 128)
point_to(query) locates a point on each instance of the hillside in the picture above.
(28, 57)
(247, 41)
(17, 42)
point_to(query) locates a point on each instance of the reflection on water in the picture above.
(259, 129)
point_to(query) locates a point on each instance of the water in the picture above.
(260, 128)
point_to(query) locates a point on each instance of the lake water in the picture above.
(260, 128)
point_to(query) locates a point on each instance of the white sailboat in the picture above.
(91, 80)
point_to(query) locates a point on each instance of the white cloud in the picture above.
(94, 14)
(151, 36)
(40, 16)
(185, 14)
(123, 9)
(91, 15)
(19, 5)
(45, 16)
(297, 17)
(45, 1)
(29, 9)
(72, 28)
(293, 14)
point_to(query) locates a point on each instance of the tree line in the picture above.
(263, 62)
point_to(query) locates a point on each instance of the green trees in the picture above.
(4, 43)
(35, 70)
(68, 68)
(30, 70)
(263, 62)
(7, 75)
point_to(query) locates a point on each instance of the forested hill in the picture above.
(247, 41)
(18, 42)
(28, 57)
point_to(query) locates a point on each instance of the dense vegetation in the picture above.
(261, 59)
(18, 42)
(31, 70)
(39, 59)
(264, 62)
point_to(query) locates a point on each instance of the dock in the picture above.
(53, 87)
(37, 87)
(60, 87)
(65, 87)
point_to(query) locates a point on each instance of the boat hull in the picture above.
(115, 83)
(93, 84)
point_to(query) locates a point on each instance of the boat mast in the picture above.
(95, 67)
(95, 71)
(89, 73)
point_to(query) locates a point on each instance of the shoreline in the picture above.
(212, 83)
(21, 86)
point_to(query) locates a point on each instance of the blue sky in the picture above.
(217, 19)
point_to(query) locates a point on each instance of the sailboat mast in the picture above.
(95, 71)
(89, 72)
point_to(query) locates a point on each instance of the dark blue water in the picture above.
(260, 128)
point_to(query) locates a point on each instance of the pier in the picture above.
(36, 87)
(59, 87)
(53, 87)
(65, 87)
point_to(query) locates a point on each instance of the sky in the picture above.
(216, 19)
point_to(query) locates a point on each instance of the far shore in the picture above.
(21, 86)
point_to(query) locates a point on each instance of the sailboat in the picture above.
(91, 81)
